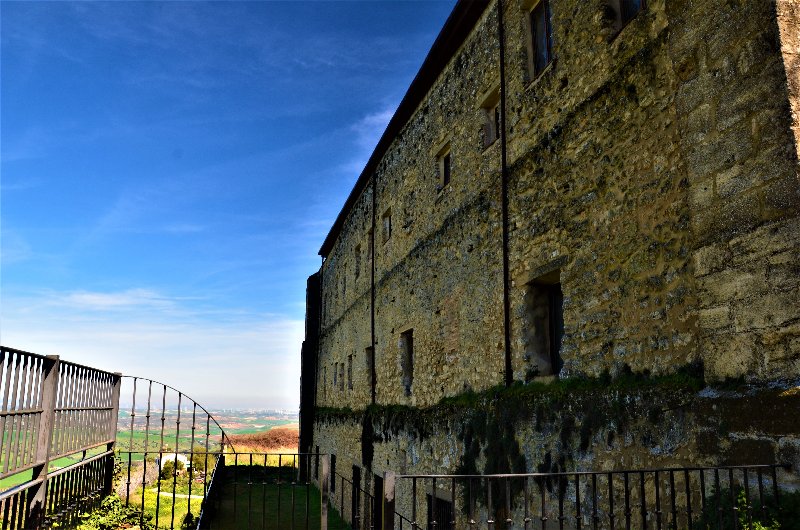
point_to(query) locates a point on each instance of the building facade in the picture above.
(579, 203)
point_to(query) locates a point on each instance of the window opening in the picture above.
(541, 31)
(335, 375)
(407, 359)
(544, 326)
(333, 473)
(626, 11)
(369, 354)
(386, 221)
(443, 166)
(490, 107)
(341, 376)
(358, 260)
(350, 372)
(377, 500)
(355, 498)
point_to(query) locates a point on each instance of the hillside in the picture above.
(279, 439)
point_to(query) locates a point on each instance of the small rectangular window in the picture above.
(350, 372)
(369, 356)
(444, 166)
(386, 221)
(407, 359)
(335, 375)
(358, 260)
(341, 377)
(490, 106)
(627, 11)
(333, 474)
(541, 37)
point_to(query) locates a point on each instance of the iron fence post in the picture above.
(324, 484)
(387, 518)
(38, 495)
(108, 484)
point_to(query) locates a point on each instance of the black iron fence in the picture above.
(58, 426)
(270, 491)
(733, 497)
(170, 448)
(61, 428)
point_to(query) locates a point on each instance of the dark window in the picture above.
(541, 37)
(333, 473)
(377, 501)
(496, 114)
(387, 225)
(446, 169)
(358, 260)
(355, 498)
(350, 372)
(491, 116)
(407, 359)
(544, 326)
(441, 513)
(555, 300)
(628, 9)
(369, 356)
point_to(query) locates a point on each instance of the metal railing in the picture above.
(170, 448)
(58, 427)
(256, 490)
(692, 497)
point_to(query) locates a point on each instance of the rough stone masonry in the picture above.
(646, 219)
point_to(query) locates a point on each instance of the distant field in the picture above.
(280, 439)
(147, 433)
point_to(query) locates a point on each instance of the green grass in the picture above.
(269, 506)
(163, 504)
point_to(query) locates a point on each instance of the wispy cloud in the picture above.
(367, 131)
(220, 358)
(121, 300)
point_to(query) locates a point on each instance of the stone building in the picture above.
(584, 214)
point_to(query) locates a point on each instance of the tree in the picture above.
(170, 469)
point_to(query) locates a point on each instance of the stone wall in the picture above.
(652, 177)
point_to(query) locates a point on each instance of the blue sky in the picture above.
(168, 171)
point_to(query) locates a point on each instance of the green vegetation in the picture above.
(687, 379)
(766, 517)
(112, 515)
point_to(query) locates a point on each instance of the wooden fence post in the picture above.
(108, 486)
(387, 522)
(38, 494)
(324, 484)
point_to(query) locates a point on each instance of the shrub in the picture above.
(767, 517)
(113, 514)
(170, 469)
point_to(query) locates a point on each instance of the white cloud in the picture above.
(219, 359)
(370, 128)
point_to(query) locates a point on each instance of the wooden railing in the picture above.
(57, 425)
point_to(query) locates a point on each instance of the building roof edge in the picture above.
(455, 31)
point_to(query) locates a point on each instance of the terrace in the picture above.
(69, 454)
